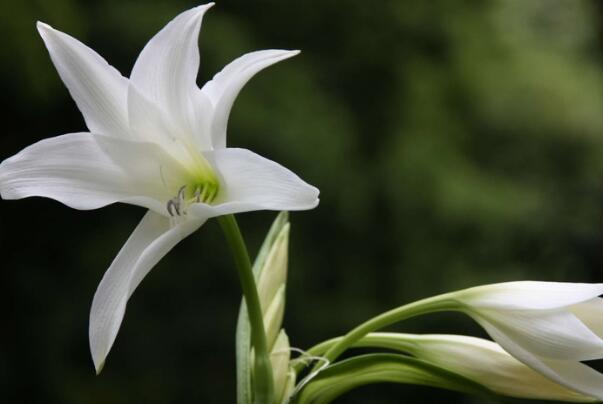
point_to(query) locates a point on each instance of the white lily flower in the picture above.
(155, 140)
(549, 326)
(479, 360)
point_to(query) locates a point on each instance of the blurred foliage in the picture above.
(454, 143)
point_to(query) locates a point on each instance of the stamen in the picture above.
(204, 193)
(176, 203)
(212, 193)
(171, 206)
(180, 195)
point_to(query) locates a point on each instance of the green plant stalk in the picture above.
(379, 368)
(433, 304)
(263, 383)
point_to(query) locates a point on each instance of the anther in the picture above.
(174, 204)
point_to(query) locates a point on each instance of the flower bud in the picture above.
(480, 360)
(284, 376)
(549, 326)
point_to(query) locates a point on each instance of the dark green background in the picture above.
(455, 143)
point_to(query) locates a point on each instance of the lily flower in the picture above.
(550, 326)
(155, 140)
(479, 360)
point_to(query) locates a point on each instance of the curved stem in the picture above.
(379, 368)
(394, 341)
(263, 383)
(424, 306)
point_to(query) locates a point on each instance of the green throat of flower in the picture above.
(202, 187)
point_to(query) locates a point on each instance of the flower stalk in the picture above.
(423, 306)
(263, 383)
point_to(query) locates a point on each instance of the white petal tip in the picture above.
(315, 192)
(98, 358)
(43, 27)
(286, 54)
(47, 32)
(99, 367)
(204, 7)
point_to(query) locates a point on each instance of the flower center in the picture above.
(202, 186)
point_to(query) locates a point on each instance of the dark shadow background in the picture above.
(454, 144)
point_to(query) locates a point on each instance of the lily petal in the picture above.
(530, 295)
(477, 359)
(590, 313)
(166, 72)
(223, 89)
(578, 376)
(150, 241)
(98, 89)
(571, 374)
(256, 181)
(148, 121)
(86, 171)
(551, 334)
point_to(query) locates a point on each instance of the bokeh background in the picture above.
(455, 143)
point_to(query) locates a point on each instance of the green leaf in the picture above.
(243, 352)
(243, 335)
(346, 375)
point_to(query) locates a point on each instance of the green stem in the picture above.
(424, 306)
(263, 383)
(400, 342)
